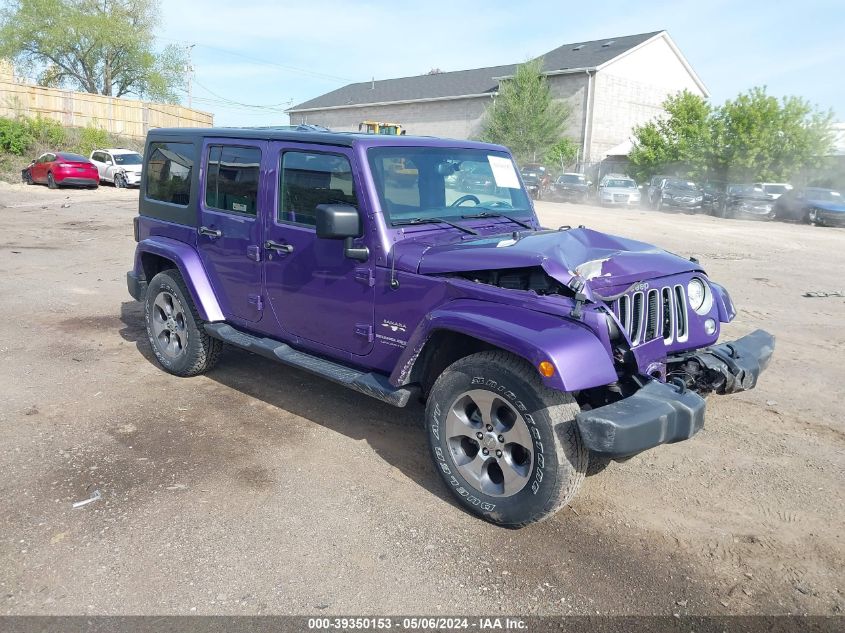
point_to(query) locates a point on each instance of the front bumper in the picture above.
(831, 218)
(660, 413)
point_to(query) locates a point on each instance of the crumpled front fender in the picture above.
(580, 359)
(188, 262)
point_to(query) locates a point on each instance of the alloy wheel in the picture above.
(490, 443)
(170, 333)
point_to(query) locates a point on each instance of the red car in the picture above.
(60, 169)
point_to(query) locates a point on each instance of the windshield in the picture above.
(431, 182)
(680, 184)
(824, 195)
(572, 179)
(128, 159)
(775, 188)
(626, 184)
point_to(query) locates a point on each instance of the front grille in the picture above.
(655, 313)
(620, 197)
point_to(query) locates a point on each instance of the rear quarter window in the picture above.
(169, 170)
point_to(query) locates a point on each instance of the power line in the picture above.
(226, 100)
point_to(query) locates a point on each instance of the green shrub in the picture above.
(15, 136)
(91, 138)
(46, 132)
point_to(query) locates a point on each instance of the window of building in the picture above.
(309, 179)
(231, 181)
(169, 169)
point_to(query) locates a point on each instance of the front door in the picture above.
(232, 200)
(315, 291)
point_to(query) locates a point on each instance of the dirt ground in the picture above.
(261, 489)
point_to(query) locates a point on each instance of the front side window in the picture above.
(431, 182)
(231, 181)
(309, 179)
(169, 169)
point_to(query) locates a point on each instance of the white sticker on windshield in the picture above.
(503, 172)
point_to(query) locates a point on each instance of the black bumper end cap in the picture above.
(657, 414)
(137, 287)
(740, 362)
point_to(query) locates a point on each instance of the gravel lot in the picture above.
(260, 489)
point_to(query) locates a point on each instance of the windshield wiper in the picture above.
(488, 214)
(411, 221)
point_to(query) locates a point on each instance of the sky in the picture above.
(255, 58)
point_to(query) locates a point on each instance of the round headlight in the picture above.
(699, 296)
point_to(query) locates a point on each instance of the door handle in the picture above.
(270, 245)
(214, 233)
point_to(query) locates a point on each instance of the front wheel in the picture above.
(120, 181)
(175, 328)
(507, 446)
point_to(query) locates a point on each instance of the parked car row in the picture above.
(764, 200)
(121, 167)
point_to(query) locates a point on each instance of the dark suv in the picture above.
(536, 350)
(675, 193)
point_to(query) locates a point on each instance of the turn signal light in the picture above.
(546, 369)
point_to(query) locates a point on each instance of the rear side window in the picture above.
(231, 181)
(169, 170)
(309, 179)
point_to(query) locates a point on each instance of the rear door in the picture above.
(316, 292)
(233, 195)
(99, 160)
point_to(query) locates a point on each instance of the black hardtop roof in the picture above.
(345, 139)
(256, 133)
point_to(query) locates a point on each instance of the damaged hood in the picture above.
(603, 261)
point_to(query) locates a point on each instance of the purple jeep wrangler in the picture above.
(360, 259)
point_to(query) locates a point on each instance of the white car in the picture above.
(618, 190)
(773, 190)
(122, 167)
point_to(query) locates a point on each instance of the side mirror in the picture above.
(342, 222)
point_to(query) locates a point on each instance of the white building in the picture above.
(611, 86)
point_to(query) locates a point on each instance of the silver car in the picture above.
(618, 190)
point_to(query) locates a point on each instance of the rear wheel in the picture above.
(506, 446)
(51, 182)
(175, 328)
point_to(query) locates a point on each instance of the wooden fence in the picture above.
(126, 117)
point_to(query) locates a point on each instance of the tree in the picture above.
(524, 117)
(759, 137)
(753, 137)
(98, 46)
(680, 142)
(562, 153)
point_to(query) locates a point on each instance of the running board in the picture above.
(374, 385)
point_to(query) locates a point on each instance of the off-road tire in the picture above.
(201, 352)
(559, 459)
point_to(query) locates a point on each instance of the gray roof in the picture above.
(477, 81)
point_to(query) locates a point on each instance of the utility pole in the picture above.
(189, 73)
